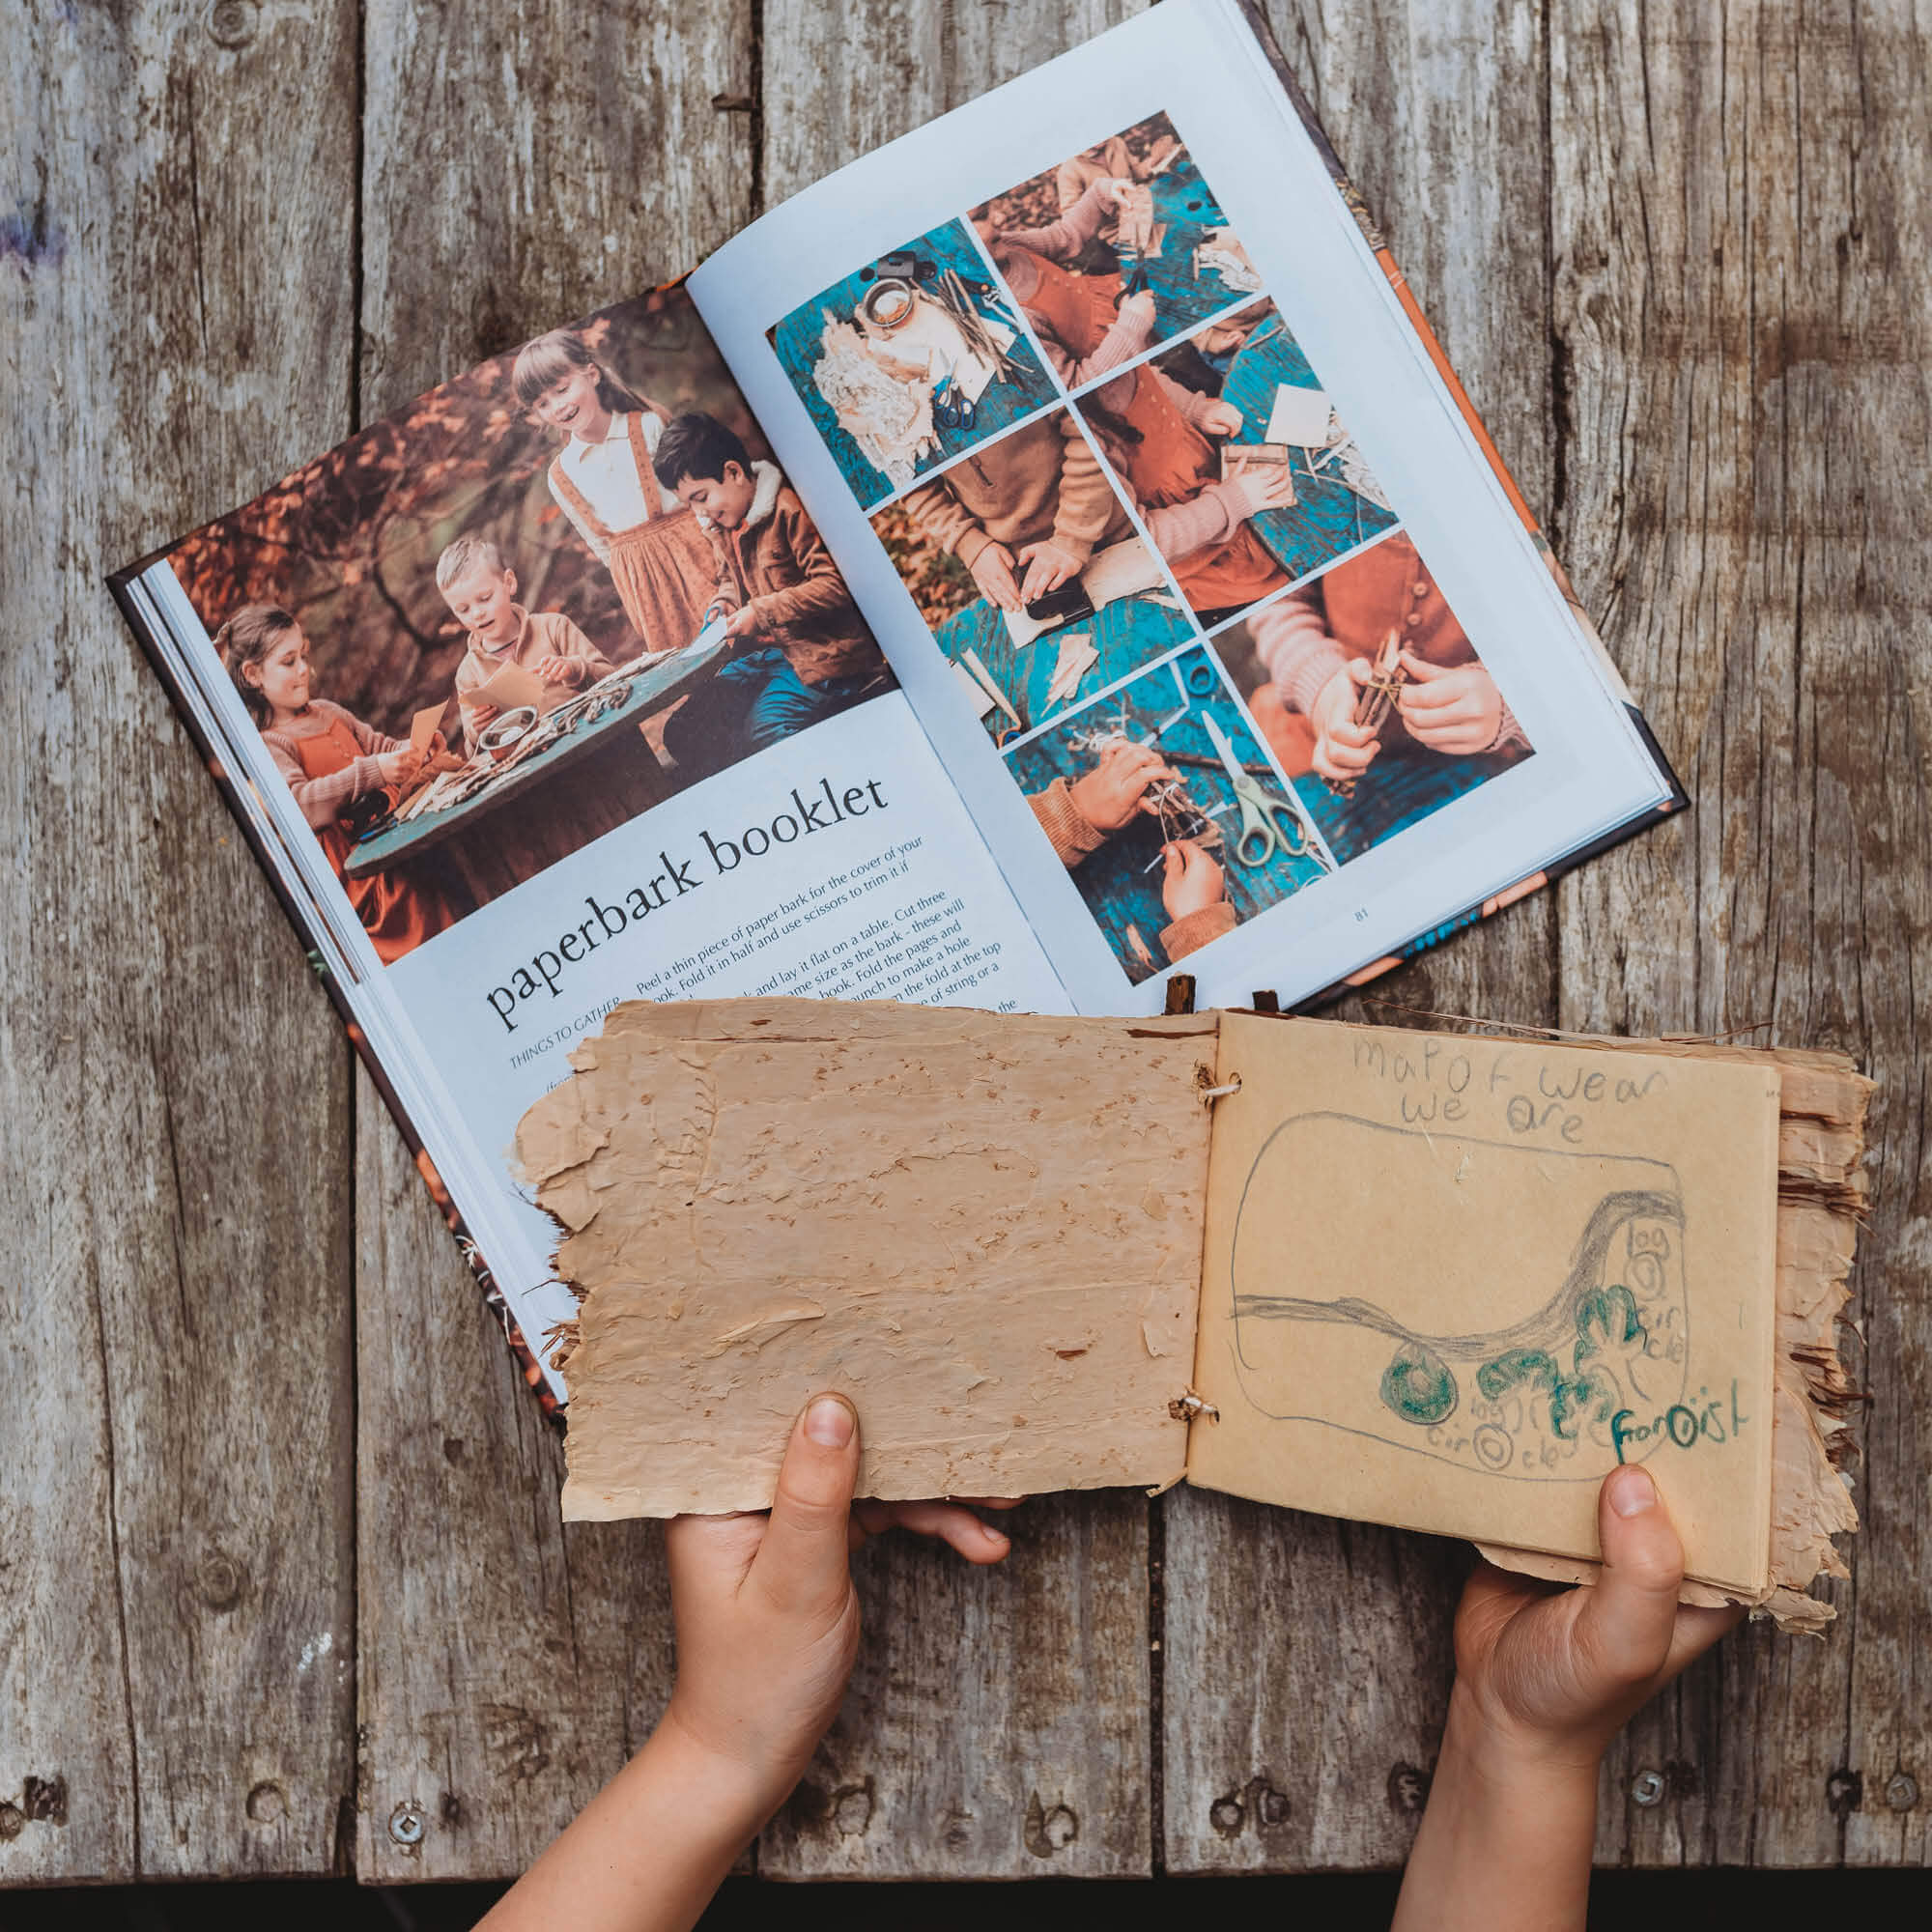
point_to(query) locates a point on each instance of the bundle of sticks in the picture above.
(1387, 675)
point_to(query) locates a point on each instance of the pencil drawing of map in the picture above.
(1538, 1346)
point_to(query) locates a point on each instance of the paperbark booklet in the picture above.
(1440, 1280)
(1050, 548)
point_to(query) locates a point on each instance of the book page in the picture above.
(986, 1230)
(1263, 716)
(1450, 1282)
(672, 761)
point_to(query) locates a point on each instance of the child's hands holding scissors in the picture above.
(1455, 709)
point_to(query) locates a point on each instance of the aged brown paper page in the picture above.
(1821, 1199)
(1450, 1280)
(986, 1229)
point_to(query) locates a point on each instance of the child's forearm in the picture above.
(649, 1850)
(1505, 1842)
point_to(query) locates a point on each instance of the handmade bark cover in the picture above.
(984, 1229)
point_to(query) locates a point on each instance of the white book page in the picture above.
(1376, 869)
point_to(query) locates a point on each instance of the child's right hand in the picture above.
(1109, 796)
(993, 572)
(400, 766)
(1547, 1680)
(1138, 310)
(1343, 749)
(1263, 486)
(1190, 881)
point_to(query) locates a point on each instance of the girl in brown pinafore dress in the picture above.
(330, 759)
(651, 543)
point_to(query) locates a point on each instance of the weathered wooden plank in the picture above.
(1307, 1663)
(507, 1669)
(1743, 315)
(523, 165)
(996, 1726)
(175, 1628)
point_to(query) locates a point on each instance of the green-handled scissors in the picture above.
(1269, 823)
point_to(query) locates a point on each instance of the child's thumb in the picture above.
(1626, 1625)
(802, 1557)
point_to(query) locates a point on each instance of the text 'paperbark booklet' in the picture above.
(1440, 1280)
(1051, 549)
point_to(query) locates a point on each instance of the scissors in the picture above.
(951, 407)
(1268, 823)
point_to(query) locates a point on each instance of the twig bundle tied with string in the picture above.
(1386, 678)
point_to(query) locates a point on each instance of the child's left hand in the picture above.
(554, 669)
(767, 1617)
(1456, 709)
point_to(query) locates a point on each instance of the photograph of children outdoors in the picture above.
(1161, 803)
(1244, 477)
(1030, 573)
(1371, 696)
(908, 360)
(540, 600)
(1121, 247)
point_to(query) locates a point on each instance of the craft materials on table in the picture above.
(1124, 569)
(1076, 657)
(968, 660)
(1269, 821)
(1219, 253)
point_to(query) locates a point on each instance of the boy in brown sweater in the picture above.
(1025, 513)
(781, 593)
(481, 592)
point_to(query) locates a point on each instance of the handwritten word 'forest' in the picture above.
(803, 815)
(1442, 1084)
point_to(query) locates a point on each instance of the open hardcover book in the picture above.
(1050, 550)
(1441, 1280)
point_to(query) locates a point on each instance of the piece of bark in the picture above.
(986, 1229)
(1821, 1199)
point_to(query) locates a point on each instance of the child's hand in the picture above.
(993, 572)
(1343, 749)
(1548, 1679)
(1265, 486)
(742, 623)
(1109, 796)
(767, 1617)
(1048, 566)
(1544, 1680)
(1137, 311)
(554, 669)
(1221, 417)
(1455, 710)
(400, 766)
(1190, 880)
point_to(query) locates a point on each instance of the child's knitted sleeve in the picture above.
(1193, 930)
(937, 513)
(1086, 503)
(1291, 640)
(1063, 239)
(323, 801)
(1068, 828)
(1122, 341)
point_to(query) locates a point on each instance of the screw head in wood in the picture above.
(1647, 1788)
(405, 1825)
(1901, 1791)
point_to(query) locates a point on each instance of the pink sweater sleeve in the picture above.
(323, 801)
(1122, 341)
(1063, 239)
(1291, 640)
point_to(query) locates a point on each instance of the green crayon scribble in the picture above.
(1418, 1387)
